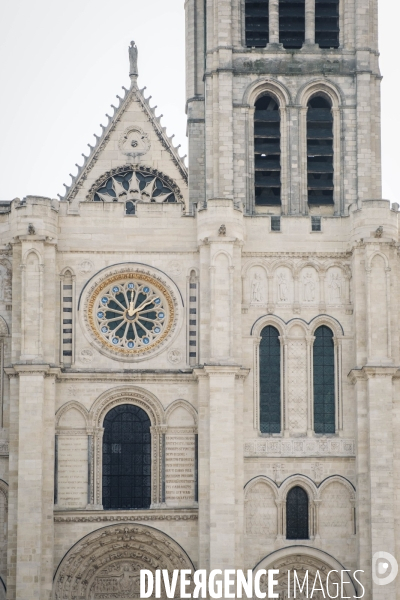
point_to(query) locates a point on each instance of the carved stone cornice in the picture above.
(128, 375)
(335, 255)
(96, 516)
(371, 371)
(17, 370)
(273, 448)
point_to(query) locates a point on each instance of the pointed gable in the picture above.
(133, 136)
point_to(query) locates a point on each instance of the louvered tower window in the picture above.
(126, 458)
(297, 514)
(320, 151)
(67, 319)
(270, 380)
(324, 381)
(327, 23)
(292, 23)
(193, 318)
(267, 149)
(257, 23)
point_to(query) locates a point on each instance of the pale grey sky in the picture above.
(62, 64)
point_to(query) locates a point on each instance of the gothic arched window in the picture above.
(126, 458)
(270, 381)
(292, 23)
(320, 151)
(257, 23)
(267, 152)
(327, 23)
(297, 514)
(324, 381)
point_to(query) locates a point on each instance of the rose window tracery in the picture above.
(131, 314)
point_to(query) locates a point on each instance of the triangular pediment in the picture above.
(133, 135)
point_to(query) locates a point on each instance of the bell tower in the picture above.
(283, 107)
(283, 104)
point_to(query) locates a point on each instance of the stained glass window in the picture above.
(297, 514)
(270, 381)
(324, 381)
(126, 458)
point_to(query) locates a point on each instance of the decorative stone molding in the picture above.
(127, 517)
(303, 559)
(300, 447)
(111, 558)
(134, 142)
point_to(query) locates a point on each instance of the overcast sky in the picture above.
(62, 64)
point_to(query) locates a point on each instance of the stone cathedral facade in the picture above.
(200, 366)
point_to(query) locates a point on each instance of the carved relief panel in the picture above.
(261, 513)
(335, 285)
(258, 286)
(5, 281)
(309, 286)
(297, 381)
(336, 512)
(284, 287)
(180, 456)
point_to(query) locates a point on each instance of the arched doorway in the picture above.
(304, 560)
(106, 563)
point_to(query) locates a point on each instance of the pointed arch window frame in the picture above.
(256, 381)
(281, 326)
(329, 92)
(338, 380)
(308, 515)
(280, 95)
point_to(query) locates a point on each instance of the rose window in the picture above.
(131, 314)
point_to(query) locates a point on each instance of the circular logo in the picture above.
(384, 568)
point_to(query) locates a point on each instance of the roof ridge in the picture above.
(72, 189)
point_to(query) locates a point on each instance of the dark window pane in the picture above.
(327, 23)
(292, 23)
(270, 381)
(319, 153)
(267, 154)
(324, 381)
(126, 458)
(257, 23)
(297, 514)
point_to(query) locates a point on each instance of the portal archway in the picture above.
(304, 559)
(106, 563)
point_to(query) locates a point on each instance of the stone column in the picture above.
(31, 517)
(375, 484)
(310, 23)
(223, 470)
(274, 21)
